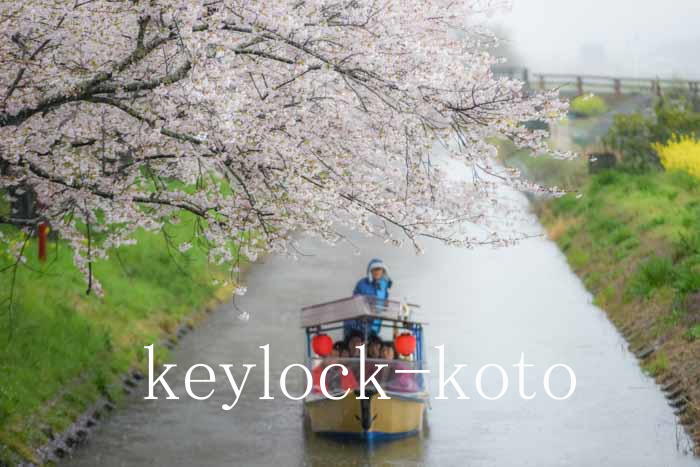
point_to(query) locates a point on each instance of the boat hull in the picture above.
(367, 419)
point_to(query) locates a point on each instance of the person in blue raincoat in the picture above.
(375, 284)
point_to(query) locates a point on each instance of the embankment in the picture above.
(62, 350)
(635, 242)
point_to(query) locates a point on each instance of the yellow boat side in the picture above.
(371, 418)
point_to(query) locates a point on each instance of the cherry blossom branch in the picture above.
(260, 119)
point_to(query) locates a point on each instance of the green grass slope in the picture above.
(635, 241)
(60, 349)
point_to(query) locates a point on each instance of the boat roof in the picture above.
(357, 307)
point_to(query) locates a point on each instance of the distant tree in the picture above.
(258, 116)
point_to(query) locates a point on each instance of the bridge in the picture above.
(577, 84)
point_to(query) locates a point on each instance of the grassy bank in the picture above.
(60, 349)
(635, 241)
(566, 174)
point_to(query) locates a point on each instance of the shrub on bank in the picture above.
(588, 106)
(651, 275)
(680, 153)
(633, 136)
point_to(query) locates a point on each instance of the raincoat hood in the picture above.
(376, 263)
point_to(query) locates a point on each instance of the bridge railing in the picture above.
(598, 84)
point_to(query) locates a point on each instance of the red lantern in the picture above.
(405, 344)
(322, 345)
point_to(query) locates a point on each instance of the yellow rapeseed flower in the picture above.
(680, 153)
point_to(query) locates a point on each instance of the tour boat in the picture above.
(339, 411)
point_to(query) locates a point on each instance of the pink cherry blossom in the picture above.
(307, 116)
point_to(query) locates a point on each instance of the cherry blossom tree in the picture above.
(256, 116)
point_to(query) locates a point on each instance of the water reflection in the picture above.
(321, 451)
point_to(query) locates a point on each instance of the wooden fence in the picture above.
(614, 85)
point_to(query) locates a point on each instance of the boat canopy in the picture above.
(357, 307)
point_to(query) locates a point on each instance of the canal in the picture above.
(486, 306)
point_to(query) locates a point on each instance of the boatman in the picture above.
(375, 284)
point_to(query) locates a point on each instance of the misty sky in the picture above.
(636, 38)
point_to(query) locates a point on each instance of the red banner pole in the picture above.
(43, 234)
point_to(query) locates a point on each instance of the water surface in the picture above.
(484, 305)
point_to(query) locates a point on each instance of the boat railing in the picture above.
(356, 307)
(397, 375)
